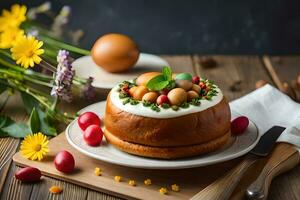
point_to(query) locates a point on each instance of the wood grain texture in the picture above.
(287, 69)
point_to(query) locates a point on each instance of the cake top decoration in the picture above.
(166, 90)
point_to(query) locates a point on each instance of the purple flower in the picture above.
(88, 89)
(64, 76)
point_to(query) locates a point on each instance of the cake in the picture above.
(168, 116)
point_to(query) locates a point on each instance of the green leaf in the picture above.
(17, 130)
(2, 88)
(3, 133)
(5, 121)
(157, 83)
(46, 126)
(34, 121)
(167, 72)
(29, 102)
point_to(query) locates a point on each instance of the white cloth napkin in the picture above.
(267, 107)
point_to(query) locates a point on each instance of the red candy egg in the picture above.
(88, 118)
(162, 99)
(239, 125)
(93, 135)
(196, 79)
(28, 174)
(64, 162)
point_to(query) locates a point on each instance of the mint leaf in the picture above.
(34, 121)
(157, 83)
(167, 72)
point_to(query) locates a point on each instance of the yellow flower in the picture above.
(35, 146)
(27, 51)
(14, 17)
(9, 37)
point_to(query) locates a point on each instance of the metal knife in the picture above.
(223, 187)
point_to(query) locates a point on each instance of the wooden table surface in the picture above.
(241, 71)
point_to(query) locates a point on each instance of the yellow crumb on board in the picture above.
(55, 189)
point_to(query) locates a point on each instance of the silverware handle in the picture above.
(283, 158)
(223, 187)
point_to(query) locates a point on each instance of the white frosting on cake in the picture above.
(141, 110)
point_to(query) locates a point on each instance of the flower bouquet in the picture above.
(34, 62)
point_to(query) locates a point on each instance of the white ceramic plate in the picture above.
(236, 147)
(85, 67)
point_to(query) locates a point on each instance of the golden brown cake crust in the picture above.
(166, 152)
(192, 129)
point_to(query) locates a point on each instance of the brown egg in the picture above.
(144, 78)
(192, 95)
(150, 96)
(177, 96)
(184, 84)
(131, 90)
(196, 88)
(115, 52)
(139, 92)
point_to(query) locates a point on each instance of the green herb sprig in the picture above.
(161, 81)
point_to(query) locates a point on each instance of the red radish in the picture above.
(196, 80)
(93, 135)
(239, 125)
(162, 99)
(64, 162)
(28, 174)
(88, 118)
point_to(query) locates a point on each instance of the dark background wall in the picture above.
(190, 26)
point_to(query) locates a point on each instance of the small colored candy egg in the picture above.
(146, 77)
(139, 92)
(195, 88)
(131, 90)
(192, 95)
(184, 84)
(162, 99)
(196, 79)
(184, 76)
(239, 125)
(174, 76)
(177, 96)
(150, 97)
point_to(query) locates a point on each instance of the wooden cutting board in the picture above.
(191, 181)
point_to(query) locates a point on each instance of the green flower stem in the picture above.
(38, 81)
(51, 41)
(25, 71)
(5, 53)
(21, 77)
(47, 66)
